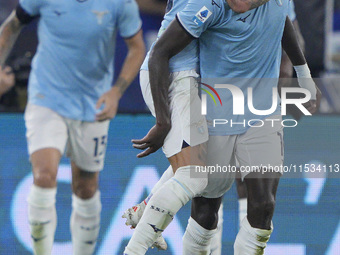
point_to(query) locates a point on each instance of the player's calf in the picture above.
(162, 207)
(85, 224)
(42, 218)
(196, 239)
(250, 240)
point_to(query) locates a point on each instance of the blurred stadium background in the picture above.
(307, 218)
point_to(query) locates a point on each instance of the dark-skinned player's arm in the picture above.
(241, 6)
(291, 46)
(286, 70)
(173, 40)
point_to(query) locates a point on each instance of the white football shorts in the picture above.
(260, 147)
(187, 123)
(85, 141)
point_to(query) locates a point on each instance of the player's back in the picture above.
(187, 59)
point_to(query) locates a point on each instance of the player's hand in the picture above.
(7, 79)
(110, 100)
(152, 141)
(313, 105)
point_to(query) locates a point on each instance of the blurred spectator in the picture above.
(20, 62)
(155, 7)
(15, 100)
(311, 17)
(6, 6)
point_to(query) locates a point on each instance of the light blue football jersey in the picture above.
(74, 63)
(187, 59)
(242, 46)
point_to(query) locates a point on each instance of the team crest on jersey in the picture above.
(202, 16)
(279, 2)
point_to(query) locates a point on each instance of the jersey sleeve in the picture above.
(291, 10)
(129, 21)
(198, 16)
(32, 7)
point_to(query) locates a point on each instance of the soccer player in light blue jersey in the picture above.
(70, 103)
(286, 75)
(232, 45)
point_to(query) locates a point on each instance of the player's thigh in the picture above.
(146, 90)
(261, 150)
(46, 134)
(221, 166)
(45, 164)
(188, 126)
(87, 144)
(189, 156)
(261, 190)
(44, 129)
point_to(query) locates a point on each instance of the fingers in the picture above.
(103, 115)
(139, 141)
(311, 106)
(100, 101)
(146, 152)
(141, 146)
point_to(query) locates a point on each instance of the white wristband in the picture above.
(305, 79)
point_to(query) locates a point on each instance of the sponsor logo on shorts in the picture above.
(202, 16)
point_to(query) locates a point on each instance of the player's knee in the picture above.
(205, 211)
(85, 184)
(207, 219)
(45, 177)
(194, 185)
(83, 191)
(264, 207)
